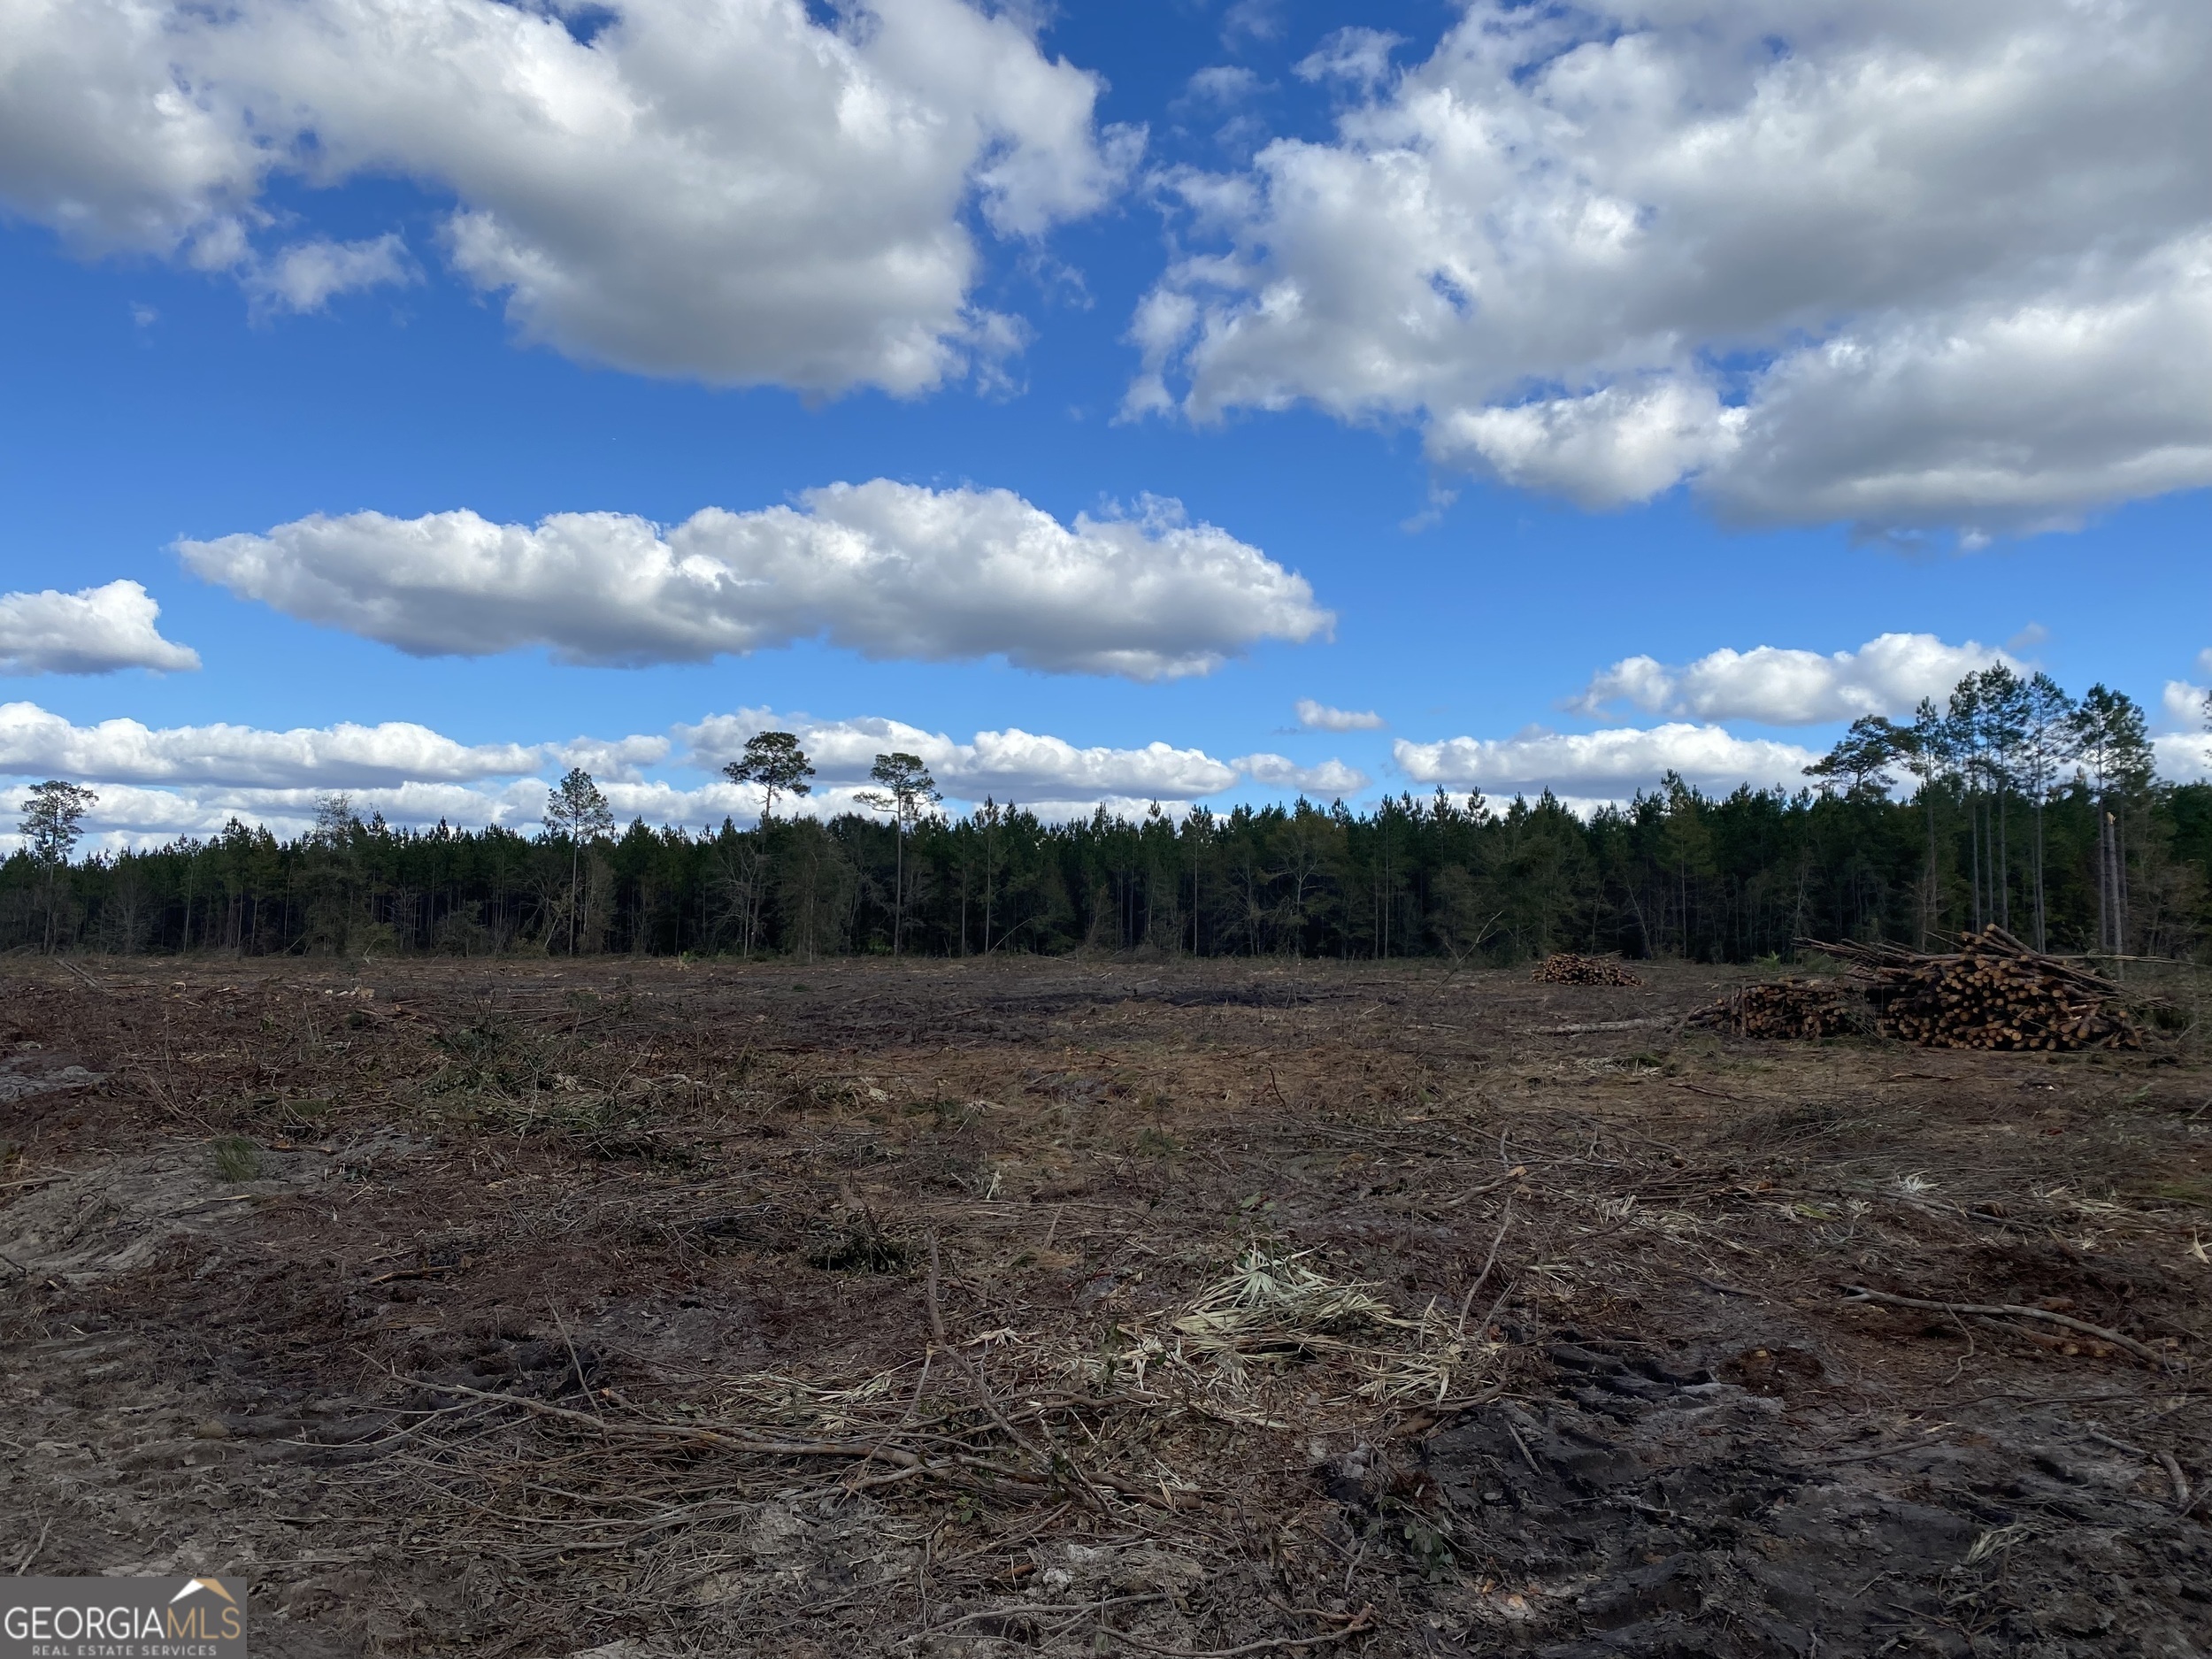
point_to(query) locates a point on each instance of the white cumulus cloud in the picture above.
(1331, 778)
(1358, 56)
(307, 275)
(1906, 266)
(620, 760)
(1319, 716)
(1605, 766)
(34, 742)
(2185, 747)
(1010, 765)
(1605, 449)
(2183, 705)
(1887, 675)
(94, 631)
(885, 569)
(737, 191)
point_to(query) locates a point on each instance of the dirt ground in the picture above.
(635, 1310)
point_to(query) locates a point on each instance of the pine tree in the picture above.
(576, 807)
(905, 790)
(53, 816)
(774, 761)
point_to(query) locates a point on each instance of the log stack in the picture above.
(1993, 992)
(1790, 1009)
(1566, 968)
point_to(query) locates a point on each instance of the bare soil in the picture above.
(1093, 1306)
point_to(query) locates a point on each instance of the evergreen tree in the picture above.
(774, 761)
(53, 819)
(577, 809)
(905, 790)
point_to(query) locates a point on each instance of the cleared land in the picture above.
(1098, 1306)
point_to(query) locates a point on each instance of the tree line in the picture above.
(2026, 809)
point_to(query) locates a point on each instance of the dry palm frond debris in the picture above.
(1799, 1008)
(1566, 968)
(1278, 1308)
(1993, 992)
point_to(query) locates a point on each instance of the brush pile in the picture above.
(1993, 992)
(1789, 1009)
(1566, 968)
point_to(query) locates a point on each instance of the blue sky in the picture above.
(1503, 455)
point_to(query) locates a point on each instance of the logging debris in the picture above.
(1993, 992)
(1566, 968)
(1790, 1009)
(960, 1307)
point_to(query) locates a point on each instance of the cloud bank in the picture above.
(1905, 266)
(156, 783)
(1887, 675)
(1605, 766)
(94, 631)
(731, 191)
(34, 742)
(1012, 765)
(891, 571)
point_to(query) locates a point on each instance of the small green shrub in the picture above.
(859, 1245)
(236, 1159)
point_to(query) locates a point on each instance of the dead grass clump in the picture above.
(1274, 1310)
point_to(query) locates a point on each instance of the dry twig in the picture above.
(1362, 1622)
(2149, 1356)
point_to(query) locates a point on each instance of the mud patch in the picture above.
(1640, 1511)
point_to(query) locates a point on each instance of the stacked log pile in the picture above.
(1566, 968)
(1787, 1008)
(1993, 992)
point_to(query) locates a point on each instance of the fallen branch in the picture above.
(1517, 1172)
(1029, 1609)
(983, 1393)
(1362, 1623)
(1489, 1262)
(82, 974)
(2184, 1499)
(415, 1272)
(909, 1464)
(2149, 1356)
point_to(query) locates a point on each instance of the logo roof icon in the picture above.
(191, 1585)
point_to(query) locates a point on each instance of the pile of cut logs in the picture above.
(1993, 992)
(1566, 968)
(1800, 1009)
